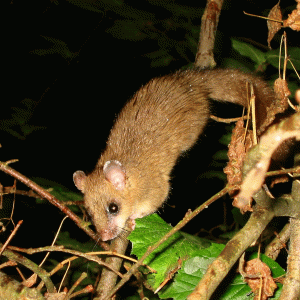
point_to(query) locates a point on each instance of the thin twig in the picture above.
(46, 195)
(11, 236)
(262, 17)
(181, 224)
(228, 120)
(62, 249)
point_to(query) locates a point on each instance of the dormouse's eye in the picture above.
(113, 208)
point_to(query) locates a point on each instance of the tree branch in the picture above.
(46, 195)
(209, 24)
(220, 267)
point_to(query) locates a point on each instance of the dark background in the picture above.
(57, 107)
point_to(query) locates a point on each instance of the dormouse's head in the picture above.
(106, 197)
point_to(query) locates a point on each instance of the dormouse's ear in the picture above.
(114, 172)
(79, 180)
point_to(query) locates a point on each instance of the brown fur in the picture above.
(163, 119)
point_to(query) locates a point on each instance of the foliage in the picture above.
(18, 124)
(167, 40)
(189, 255)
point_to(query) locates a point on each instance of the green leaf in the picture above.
(88, 5)
(249, 51)
(293, 87)
(59, 47)
(60, 192)
(213, 174)
(149, 295)
(220, 155)
(226, 138)
(63, 194)
(191, 272)
(127, 30)
(159, 58)
(71, 243)
(239, 218)
(235, 64)
(294, 54)
(272, 58)
(194, 268)
(151, 229)
(18, 125)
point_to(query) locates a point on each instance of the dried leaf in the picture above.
(279, 179)
(259, 278)
(293, 21)
(238, 149)
(243, 204)
(236, 154)
(31, 280)
(282, 92)
(274, 27)
(259, 160)
(278, 106)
